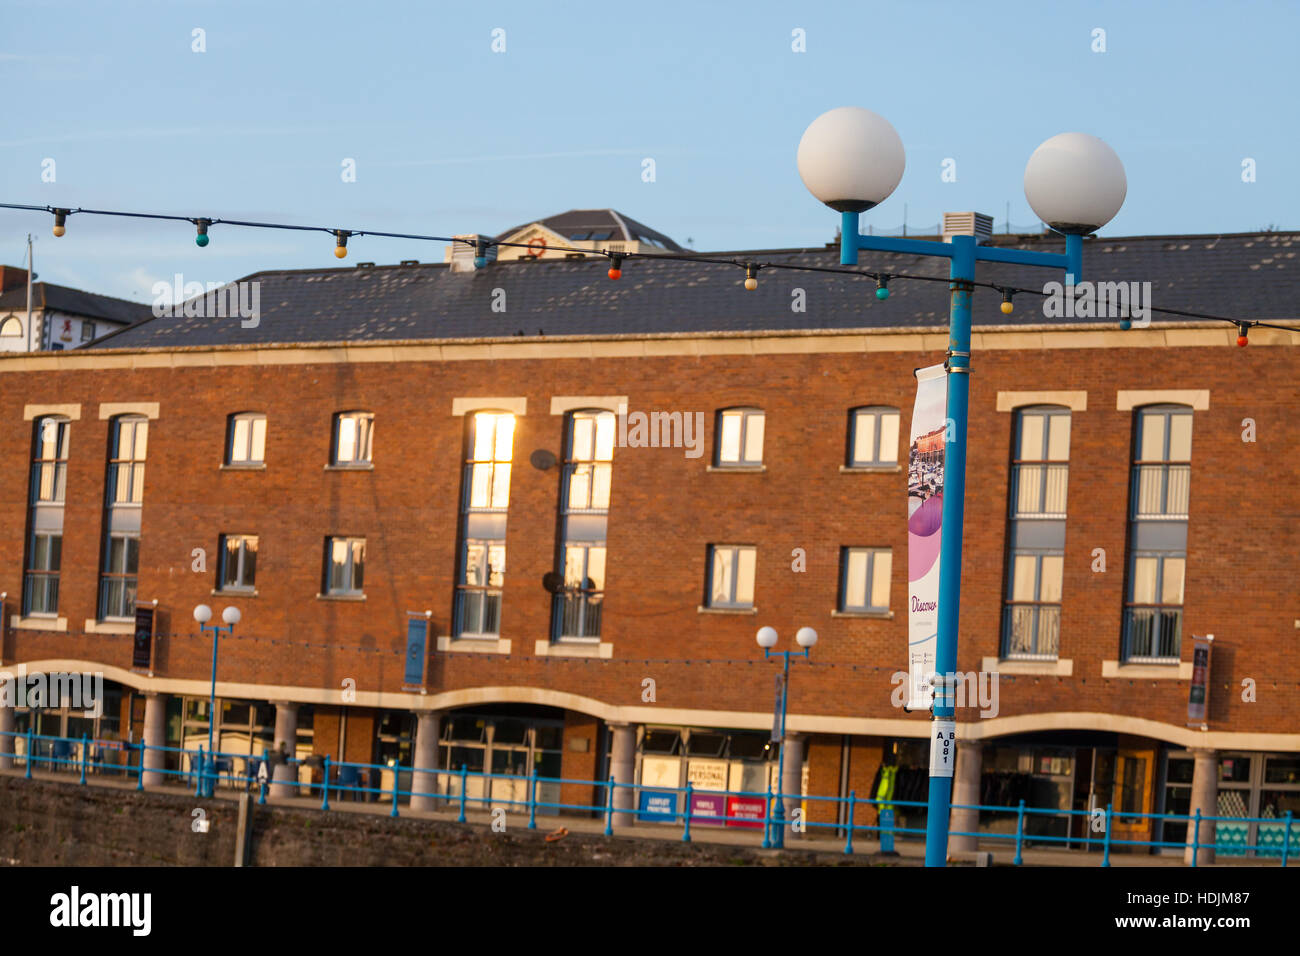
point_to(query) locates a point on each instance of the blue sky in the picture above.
(450, 137)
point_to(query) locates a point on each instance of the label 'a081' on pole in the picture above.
(943, 747)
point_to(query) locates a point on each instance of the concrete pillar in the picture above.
(966, 790)
(792, 779)
(427, 732)
(1205, 796)
(155, 735)
(8, 745)
(622, 767)
(285, 778)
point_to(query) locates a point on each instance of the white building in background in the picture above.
(61, 317)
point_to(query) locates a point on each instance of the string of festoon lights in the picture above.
(481, 246)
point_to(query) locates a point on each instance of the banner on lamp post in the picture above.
(417, 635)
(1198, 694)
(925, 461)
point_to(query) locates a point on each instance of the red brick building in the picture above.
(389, 441)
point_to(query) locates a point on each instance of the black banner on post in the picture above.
(1198, 693)
(142, 653)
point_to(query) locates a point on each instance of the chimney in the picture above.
(967, 224)
(461, 254)
(12, 277)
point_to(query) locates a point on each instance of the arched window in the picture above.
(485, 498)
(127, 446)
(11, 326)
(1040, 469)
(584, 517)
(45, 527)
(1159, 500)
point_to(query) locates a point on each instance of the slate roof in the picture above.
(1251, 275)
(61, 298)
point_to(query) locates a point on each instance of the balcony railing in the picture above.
(579, 613)
(1152, 635)
(478, 612)
(1031, 631)
(1160, 491)
(1040, 490)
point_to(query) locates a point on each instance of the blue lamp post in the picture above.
(852, 159)
(231, 616)
(805, 637)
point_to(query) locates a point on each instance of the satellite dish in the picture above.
(553, 581)
(542, 459)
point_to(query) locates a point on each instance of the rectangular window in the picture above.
(873, 437)
(864, 584)
(345, 562)
(1032, 621)
(353, 438)
(1040, 471)
(584, 516)
(238, 570)
(480, 594)
(1153, 616)
(246, 444)
(44, 557)
(87, 330)
(584, 590)
(740, 437)
(121, 570)
(485, 496)
(1159, 496)
(731, 576)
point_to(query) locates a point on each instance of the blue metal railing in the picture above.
(740, 808)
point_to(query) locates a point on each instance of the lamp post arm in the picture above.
(851, 242)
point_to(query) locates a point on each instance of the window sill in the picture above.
(727, 610)
(1180, 670)
(878, 615)
(569, 648)
(360, 467)
(354, 598)
(474, 645)
(744, 469)
(259, 466)
(868, 469)
(109, 627)
(238, 592)
(38, 623)
(1011, 665)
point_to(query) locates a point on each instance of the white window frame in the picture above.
(363, 445)
(879, 413)
(241, 584)
(350, 572)
(243, 457)
(871, 554)
(732, 554)
(746, 415)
